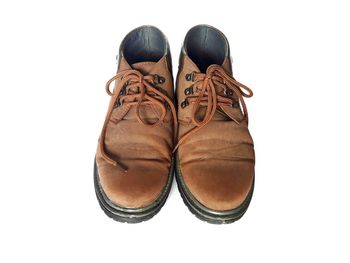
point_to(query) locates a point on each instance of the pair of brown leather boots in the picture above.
(201, 131)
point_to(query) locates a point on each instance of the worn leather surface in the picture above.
(145, 151)
(217, 162)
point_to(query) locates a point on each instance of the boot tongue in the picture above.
(226, 110)
(144, 67)
(146, 111)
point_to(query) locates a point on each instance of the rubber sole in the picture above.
(131, 215)
(204, 213)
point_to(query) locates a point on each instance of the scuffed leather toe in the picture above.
(219, 187)
(137, 188)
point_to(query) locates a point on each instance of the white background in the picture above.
(55, 57)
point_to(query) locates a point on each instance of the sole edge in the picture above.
(128, 215)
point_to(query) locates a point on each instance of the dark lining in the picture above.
(206, 46)
(144, 44)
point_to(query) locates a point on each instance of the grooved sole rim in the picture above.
(131, 215)
(205, 213)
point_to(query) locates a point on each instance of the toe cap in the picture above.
(219, 186)
(139, 187)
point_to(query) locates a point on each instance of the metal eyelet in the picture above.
(189, 76)
(158, 79)
(235, 104)
(184, 104)
(229, 92)
(122, 91)
(117, 104)
(188, 91)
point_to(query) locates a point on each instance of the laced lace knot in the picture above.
(208, 88)
(135, 89)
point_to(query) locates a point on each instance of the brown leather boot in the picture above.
(215, 152)
(133, 165)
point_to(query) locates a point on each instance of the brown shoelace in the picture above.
(137, 90)
(207, 85)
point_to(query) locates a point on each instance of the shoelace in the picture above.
(137, 89)
(207, 84)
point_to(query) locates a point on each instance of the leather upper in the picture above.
(217, 161)
(145, 151)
